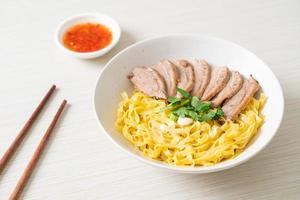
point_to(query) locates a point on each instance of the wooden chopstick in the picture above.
(30, 167)
(14, 145)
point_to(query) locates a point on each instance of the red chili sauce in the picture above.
(87, 37)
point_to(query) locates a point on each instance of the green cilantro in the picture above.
(219, 113)
(180, 112)
(213, 114)
(173, 99)
(192, 107)
(193, 114)
(184, 93)
(200, 106)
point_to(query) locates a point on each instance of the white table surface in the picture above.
(80, 162)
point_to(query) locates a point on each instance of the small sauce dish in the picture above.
(87, 19)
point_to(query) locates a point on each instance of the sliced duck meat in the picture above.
(239, 101)
(169, 72)
(186, 77)
(202, 71)
(218, 80)
(232, 87)
(148, 81)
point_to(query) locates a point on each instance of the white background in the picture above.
(80, 162)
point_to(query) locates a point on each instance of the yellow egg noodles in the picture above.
(198, 144)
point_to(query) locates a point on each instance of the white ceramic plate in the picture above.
(113, 81)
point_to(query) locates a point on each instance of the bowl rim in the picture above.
(116, 34)
(202, 169)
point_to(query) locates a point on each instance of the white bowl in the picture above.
(84, 18)
(113, 81)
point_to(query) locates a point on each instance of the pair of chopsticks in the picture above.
(17, 141)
